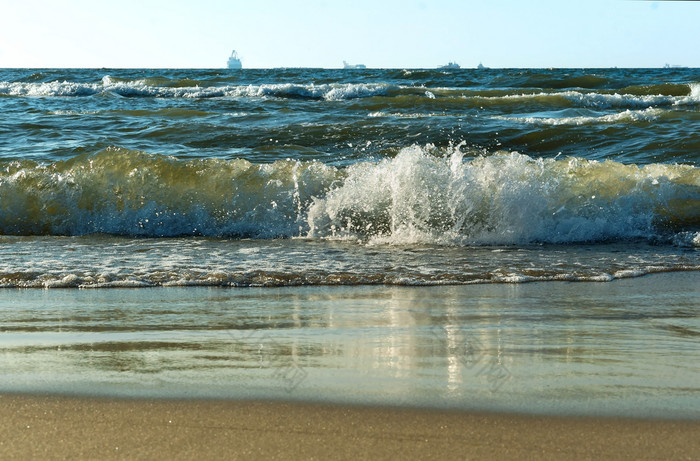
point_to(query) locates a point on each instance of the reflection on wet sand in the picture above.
(552, 347)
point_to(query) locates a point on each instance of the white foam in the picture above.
(687, 239)
(629, 273)
(49, 89)
(693, 98)
(628, 115)
(330, 92)
(593, 100)
(603, 100)
(406, 115)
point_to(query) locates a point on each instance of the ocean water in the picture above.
(257, 181)
(319, 177)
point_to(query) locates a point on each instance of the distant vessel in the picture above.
(346, 65)
(450, 65)
(481, 66)
(234, 61)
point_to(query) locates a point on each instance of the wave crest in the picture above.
(422, 195)
(505, 199)
(124, 192)
(148, 88)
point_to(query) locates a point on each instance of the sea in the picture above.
(520, 239)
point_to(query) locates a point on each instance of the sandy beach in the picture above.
(50, 427)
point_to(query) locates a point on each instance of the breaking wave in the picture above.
(149, 88)
(630, 97)
(595, 100)
(646, 115)
(423, 195)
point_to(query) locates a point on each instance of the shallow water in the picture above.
(629, 347)
(99, 261)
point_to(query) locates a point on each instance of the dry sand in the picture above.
(49, 427)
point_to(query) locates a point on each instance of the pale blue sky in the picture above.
(323, 33)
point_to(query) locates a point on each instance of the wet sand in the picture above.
(627, 348)
(50, 427)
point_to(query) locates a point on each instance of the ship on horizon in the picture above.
(234, 61)
(450, 65)
(347, 65)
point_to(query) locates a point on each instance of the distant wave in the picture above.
(594, 100)
(423, 195)
(146, 88)
(648, 114)
(630, 97)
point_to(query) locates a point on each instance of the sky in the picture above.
(324, 33)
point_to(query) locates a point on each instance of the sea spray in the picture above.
(505, 198)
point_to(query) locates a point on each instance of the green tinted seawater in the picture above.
(339, 117)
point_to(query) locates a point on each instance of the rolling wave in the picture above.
(628, 97)
(423, 195)
(145, 88)
(596, 100)
(646, 115)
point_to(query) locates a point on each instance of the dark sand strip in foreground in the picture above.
(44, 427)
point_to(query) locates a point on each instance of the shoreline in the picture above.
(53, 427)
